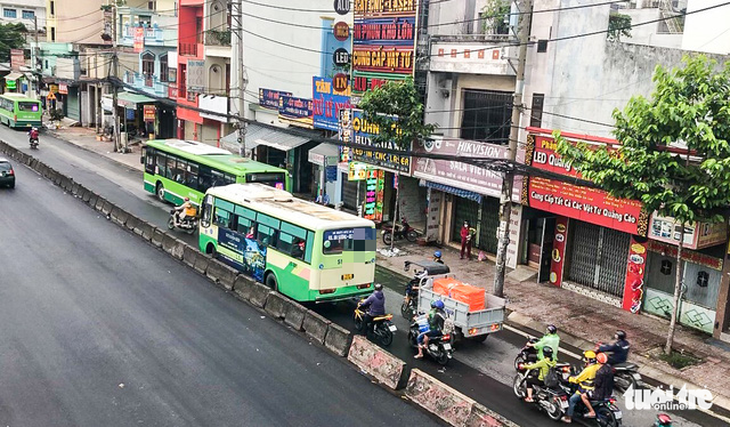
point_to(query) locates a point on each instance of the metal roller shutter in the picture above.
(598, 258)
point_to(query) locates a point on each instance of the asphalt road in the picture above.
(483, 371)
(101, 329)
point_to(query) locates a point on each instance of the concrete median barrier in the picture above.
(220, 273)
(147, 230)
(337, 340)
(276, 305)
(99, 203)
(294, 315)
(119, 216)
(171, 245)
(86, 195)
(259, 294)
(242, 287)
(438, 398)
(483, 417)
(316, 326)
(91, 201)
(376, 362)
(201, 263)
(157, 237)
(107, 207)
(190, 254)
(131, 223)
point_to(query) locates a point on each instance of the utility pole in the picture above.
(242, 80)
(34, 62)
(115, 86)
(505, 208)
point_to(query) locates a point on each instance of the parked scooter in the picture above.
(552, 400)
(527, 354)
(383, 328)
(440, 349)
(402, 231)
(188, 224)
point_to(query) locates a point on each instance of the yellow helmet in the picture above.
(589, 355)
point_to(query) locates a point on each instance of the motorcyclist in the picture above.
(544, 366)
(437, 257)
(184, 210)
(602, 384)
(33, 134)
(436, 319)
(618, 352)
(375, 305)
(413, 286)
(584, 380)
(550, 339)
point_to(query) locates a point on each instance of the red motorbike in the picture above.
(402, 231)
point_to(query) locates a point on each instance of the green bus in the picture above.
(306, 251)
(19, 111)
(175, 169)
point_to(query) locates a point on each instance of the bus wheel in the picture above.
(210, 250)
(270, 282)
(160, 191)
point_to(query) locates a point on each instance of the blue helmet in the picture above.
(437, 254)
(438, 304)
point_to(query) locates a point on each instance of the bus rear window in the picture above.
(273, 179)
(361, 239)
(29, 107)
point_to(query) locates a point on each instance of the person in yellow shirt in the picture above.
(544, 366)
(585, 384)
(185, 210)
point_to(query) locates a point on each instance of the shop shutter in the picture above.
(598, 258)
(489, 225)
(464, 209)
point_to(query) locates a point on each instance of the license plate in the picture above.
(347, 276)
(392, 328)
(447, 346)
(637, 377)
(618, 415)
(564, 403)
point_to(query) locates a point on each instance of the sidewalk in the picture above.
(581, 321)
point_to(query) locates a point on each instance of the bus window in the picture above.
(205, 178)
(149, 160)
(243, 225)
(31, 107)
(170, 170)
(207, 211)
(363, 240)
(180, 171)
(222, 218)
(333, 240)
(266, 235)
(218, 178)
(191, 177)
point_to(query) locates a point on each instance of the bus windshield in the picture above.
(359, 239)
(274, 179)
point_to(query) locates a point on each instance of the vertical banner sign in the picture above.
(635, 269)
(328, 103)
(557, 256)
(383, 42)
(345, 134)
(374, 184)
(138, 39)
(196, 76)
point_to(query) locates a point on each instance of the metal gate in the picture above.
(483, 217)
(598, 258)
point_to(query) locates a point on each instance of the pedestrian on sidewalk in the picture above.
(466, 240)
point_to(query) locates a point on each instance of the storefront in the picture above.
(462, 192)
(324, 157)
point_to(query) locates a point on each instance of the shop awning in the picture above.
(258, 135)
(324, 155)
(131, 100)
(465, 194)
(13, 76)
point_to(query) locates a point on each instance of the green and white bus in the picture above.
(19, 111)
(175, 169)
(306, 251)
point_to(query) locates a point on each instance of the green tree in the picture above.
(396, 108)
(12, 36)
(618, 25)
(674, 155)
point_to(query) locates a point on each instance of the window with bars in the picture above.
(487, 115)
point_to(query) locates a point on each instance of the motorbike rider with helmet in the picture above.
(184, 210)
(375, 304)
(550, 339)
(412, 287)
(33, 135)
(618, 352)
(437, 257)
(544, 365)
(584, 380)
(436, 319)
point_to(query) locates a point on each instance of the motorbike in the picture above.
(440, 349)
(626, 375)
(188, 224)
(552, 400)
(410, 300)
(526, 355)
(608, 413)
(402, 231)
(33, 143)
(383, 328)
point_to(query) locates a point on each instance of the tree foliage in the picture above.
(494, 17)
(396, 108)
(12, 36)
(618, 25)
(690, 108)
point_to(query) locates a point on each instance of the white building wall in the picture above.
(707, 31)
(37, 6)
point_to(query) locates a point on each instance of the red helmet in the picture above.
(187, 199)
(601, 358)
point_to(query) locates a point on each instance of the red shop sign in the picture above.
(582, 203)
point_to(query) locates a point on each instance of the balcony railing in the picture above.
(218, 38)
(153, 35)
(188, 49)
(147, 83)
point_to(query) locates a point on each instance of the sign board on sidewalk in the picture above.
(149, 113)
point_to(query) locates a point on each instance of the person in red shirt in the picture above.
(466, 237)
